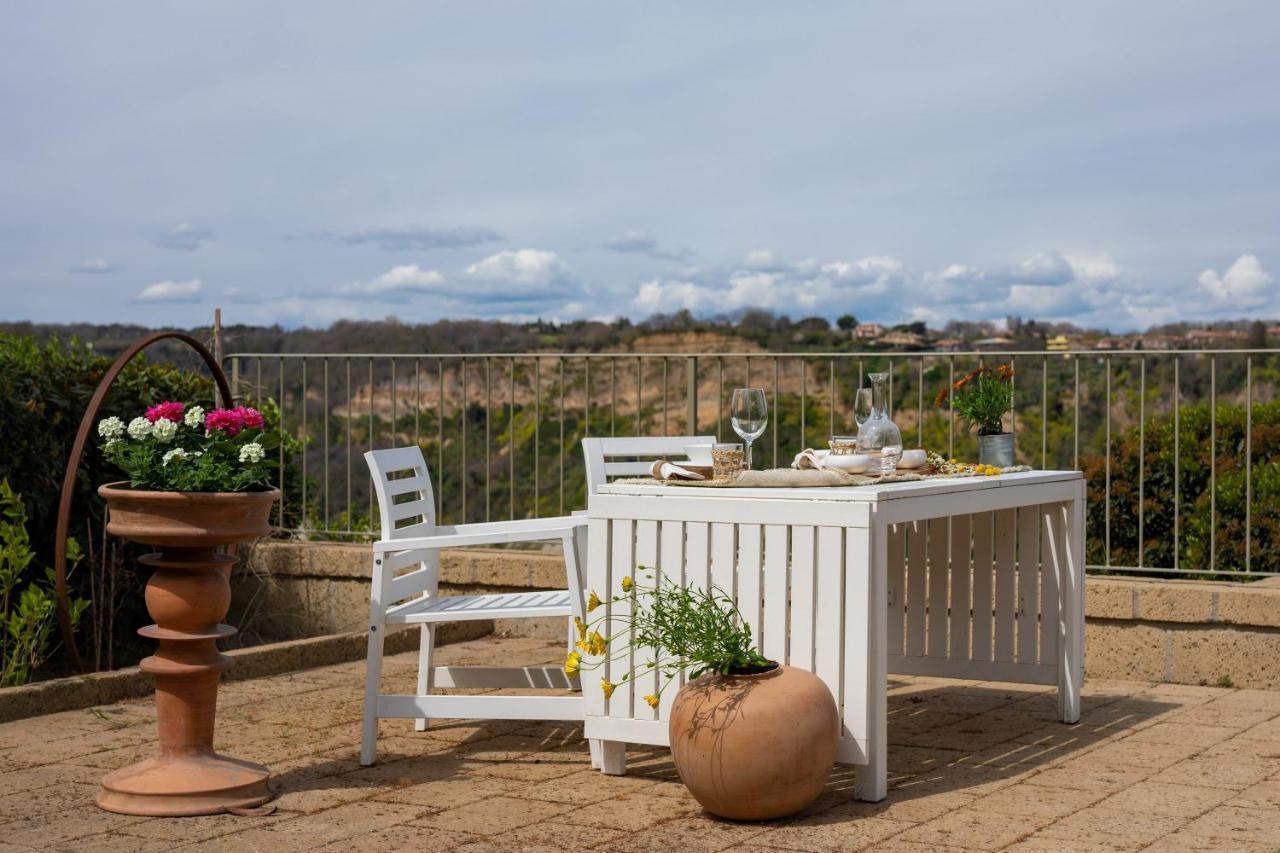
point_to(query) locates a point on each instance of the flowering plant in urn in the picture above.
(175, 447)
(198, 483)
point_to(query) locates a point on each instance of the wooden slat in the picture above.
(1027, 673)
(860, 606)
(828, 643)
(896, 549)
(622, 564)
(671, 566)
(1028, 589)
(697, 560)
(723, 557)
(410, 509)
(937, 643)
(1051, 534)
(982, 568)
(646, 678)
(960, 572)
(481, 707)
(395, 488)
(597, 570)
(917, 533)
(749, 580)
(802, 596)
(776, 585)
(1005, 582)
(540, 677)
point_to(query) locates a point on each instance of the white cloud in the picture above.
(397, 282)
(1245, 284)
(171, 291)
(524, 266)
(184, 237)
(95, 266)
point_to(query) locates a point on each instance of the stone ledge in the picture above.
(1184, 601)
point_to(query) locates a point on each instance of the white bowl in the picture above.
(913, 459)
(699, 454)
(854, 464)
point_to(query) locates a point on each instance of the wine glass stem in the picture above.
(748, 455)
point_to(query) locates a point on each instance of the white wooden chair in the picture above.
(406, 577)
(601, 454)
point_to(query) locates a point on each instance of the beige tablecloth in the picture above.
(792, 478)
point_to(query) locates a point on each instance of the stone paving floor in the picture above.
(974, 766)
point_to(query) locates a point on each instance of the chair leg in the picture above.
(597, 753)
(426, 670)
(613, 757)
(372, 685)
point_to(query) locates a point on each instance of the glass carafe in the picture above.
(878, 436)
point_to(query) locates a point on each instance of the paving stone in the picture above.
(1102, 824)
(830, 831)
(635, 811)
(1036, 801)
(1234, 823)
(492, 816)
(972, 827)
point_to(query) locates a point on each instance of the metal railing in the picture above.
(501, 431)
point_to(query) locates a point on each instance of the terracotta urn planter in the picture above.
(757, 746)
(187, 595)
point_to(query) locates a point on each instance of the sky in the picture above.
(1110, 164)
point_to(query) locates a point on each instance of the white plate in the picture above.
(913, 459)
(854, 464)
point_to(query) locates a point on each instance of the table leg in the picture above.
(867, 654)
(613, 757)
(1070, 569)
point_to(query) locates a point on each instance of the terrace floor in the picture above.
(974, 766)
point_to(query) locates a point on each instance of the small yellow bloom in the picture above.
(572, 663)
(582, 628)
(596, 644)
(593, 601)
(627, 583)
(652, 700)
(607, 687)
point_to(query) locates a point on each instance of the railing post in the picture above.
(691, 369)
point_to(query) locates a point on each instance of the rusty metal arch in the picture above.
(73, 467)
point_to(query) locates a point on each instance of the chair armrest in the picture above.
(487, 533)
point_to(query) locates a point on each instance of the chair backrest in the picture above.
(600, 453)
(406, 502)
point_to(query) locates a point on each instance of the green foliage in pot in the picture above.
(681, 628)
(981, 398)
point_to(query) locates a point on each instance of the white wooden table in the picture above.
(975, 578)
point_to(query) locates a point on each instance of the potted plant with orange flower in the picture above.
(751, 738)
(982, 398)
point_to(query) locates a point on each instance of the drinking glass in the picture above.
(750, 416)
(726, 460)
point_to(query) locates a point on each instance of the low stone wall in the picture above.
(1186, 632)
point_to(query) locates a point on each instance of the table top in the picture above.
(866, 494)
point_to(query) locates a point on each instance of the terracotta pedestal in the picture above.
(188, 595)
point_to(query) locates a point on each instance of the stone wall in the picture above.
(1186, 632)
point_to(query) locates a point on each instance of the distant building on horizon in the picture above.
(867, 331)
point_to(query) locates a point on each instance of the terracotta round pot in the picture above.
(754, 747)
(187, 595)
(188, 519)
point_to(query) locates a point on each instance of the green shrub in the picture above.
(1208, 519)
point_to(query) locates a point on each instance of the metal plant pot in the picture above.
(996, 450)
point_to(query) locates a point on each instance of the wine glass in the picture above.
(750, 416)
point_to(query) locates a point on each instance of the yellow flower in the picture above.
(596, 644)
(627, 583)
(582, 628)
(593, 601)
(652, 700)
(607, 687)
(572, 663)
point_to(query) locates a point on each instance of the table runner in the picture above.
(791, 478)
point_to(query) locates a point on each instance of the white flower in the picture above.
(176, 453)
(164, 430)
(111, 442)
(139, 428)
(110, 428)
(194, 417)
(252, 452)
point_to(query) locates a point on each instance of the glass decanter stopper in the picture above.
(878, 436)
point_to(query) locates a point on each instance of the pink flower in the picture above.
(230, 421)
(168, 410)
(252, 417)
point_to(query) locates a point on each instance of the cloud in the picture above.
(183, 237)
(93, 266)
(416, 238)
(1245, 284)
(397, 282)
(525, 275)
(640, 243)
(171, 291)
